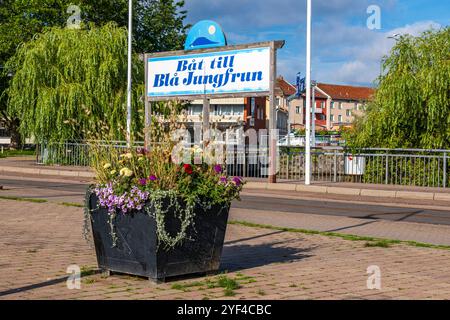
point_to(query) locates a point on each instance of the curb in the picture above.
(48, 172)
(408, 195)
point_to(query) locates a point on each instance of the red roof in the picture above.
(341, 92)
(287, 88)
(317, 93)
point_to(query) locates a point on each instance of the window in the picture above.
(260, 113)
(195, 110)
(348, 113)
(340, 105)
(297, 110)
(238, 110)
(340, 118)
(278, 102)
(227, 110)
(332, 105)
(322, 104)
(356, 106)
(331, 117)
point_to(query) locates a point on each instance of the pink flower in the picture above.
(218, 168)
(152, 178)
(143, 182)
(237, 181)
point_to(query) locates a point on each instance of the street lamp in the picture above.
(130, 38)
(308, 95)
(394, 36)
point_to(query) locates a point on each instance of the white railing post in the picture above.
(444, 180)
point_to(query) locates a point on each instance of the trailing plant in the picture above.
(162, 180)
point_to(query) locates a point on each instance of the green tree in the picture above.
(71, 84)
(158, 26)
(411, 108)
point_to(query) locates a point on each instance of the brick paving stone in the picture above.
(39, 241)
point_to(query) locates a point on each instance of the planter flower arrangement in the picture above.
(156, 217)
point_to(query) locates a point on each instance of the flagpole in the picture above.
(308, 95)
(130, 48)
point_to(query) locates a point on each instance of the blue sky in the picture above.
(345, 51)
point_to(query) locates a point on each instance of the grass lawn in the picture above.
(16, 153)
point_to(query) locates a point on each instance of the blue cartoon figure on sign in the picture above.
(205, 34)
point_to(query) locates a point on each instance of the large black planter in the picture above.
(137, 252)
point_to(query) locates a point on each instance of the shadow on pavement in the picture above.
(245, 256)
(40, 284)
(33, 286)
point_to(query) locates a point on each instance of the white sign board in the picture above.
(355, 165)
(235, 71)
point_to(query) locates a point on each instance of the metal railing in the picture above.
(73, 153)
(409, 167)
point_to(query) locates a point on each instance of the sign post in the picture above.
(273, 136)
(313, 111)
(205, 120)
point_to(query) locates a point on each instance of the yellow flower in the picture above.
(107, 166)
(126, 172)
(196, 149)
(127, 155)
(113, 172)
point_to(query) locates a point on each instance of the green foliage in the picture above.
(381, 244)
(425, 171)
(222, 281)
(411, 108)
(71, 85)
(158, 25)
(16, 153)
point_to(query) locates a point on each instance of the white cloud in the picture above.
(344, 49)
(360, 59)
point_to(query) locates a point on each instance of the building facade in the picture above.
(336, 106)
(344, 103)
(244, 113)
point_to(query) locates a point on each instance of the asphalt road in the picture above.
(57, 189)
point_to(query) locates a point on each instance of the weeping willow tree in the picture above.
(71, 85)
(411, 108)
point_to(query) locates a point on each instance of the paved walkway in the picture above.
(39, 241)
